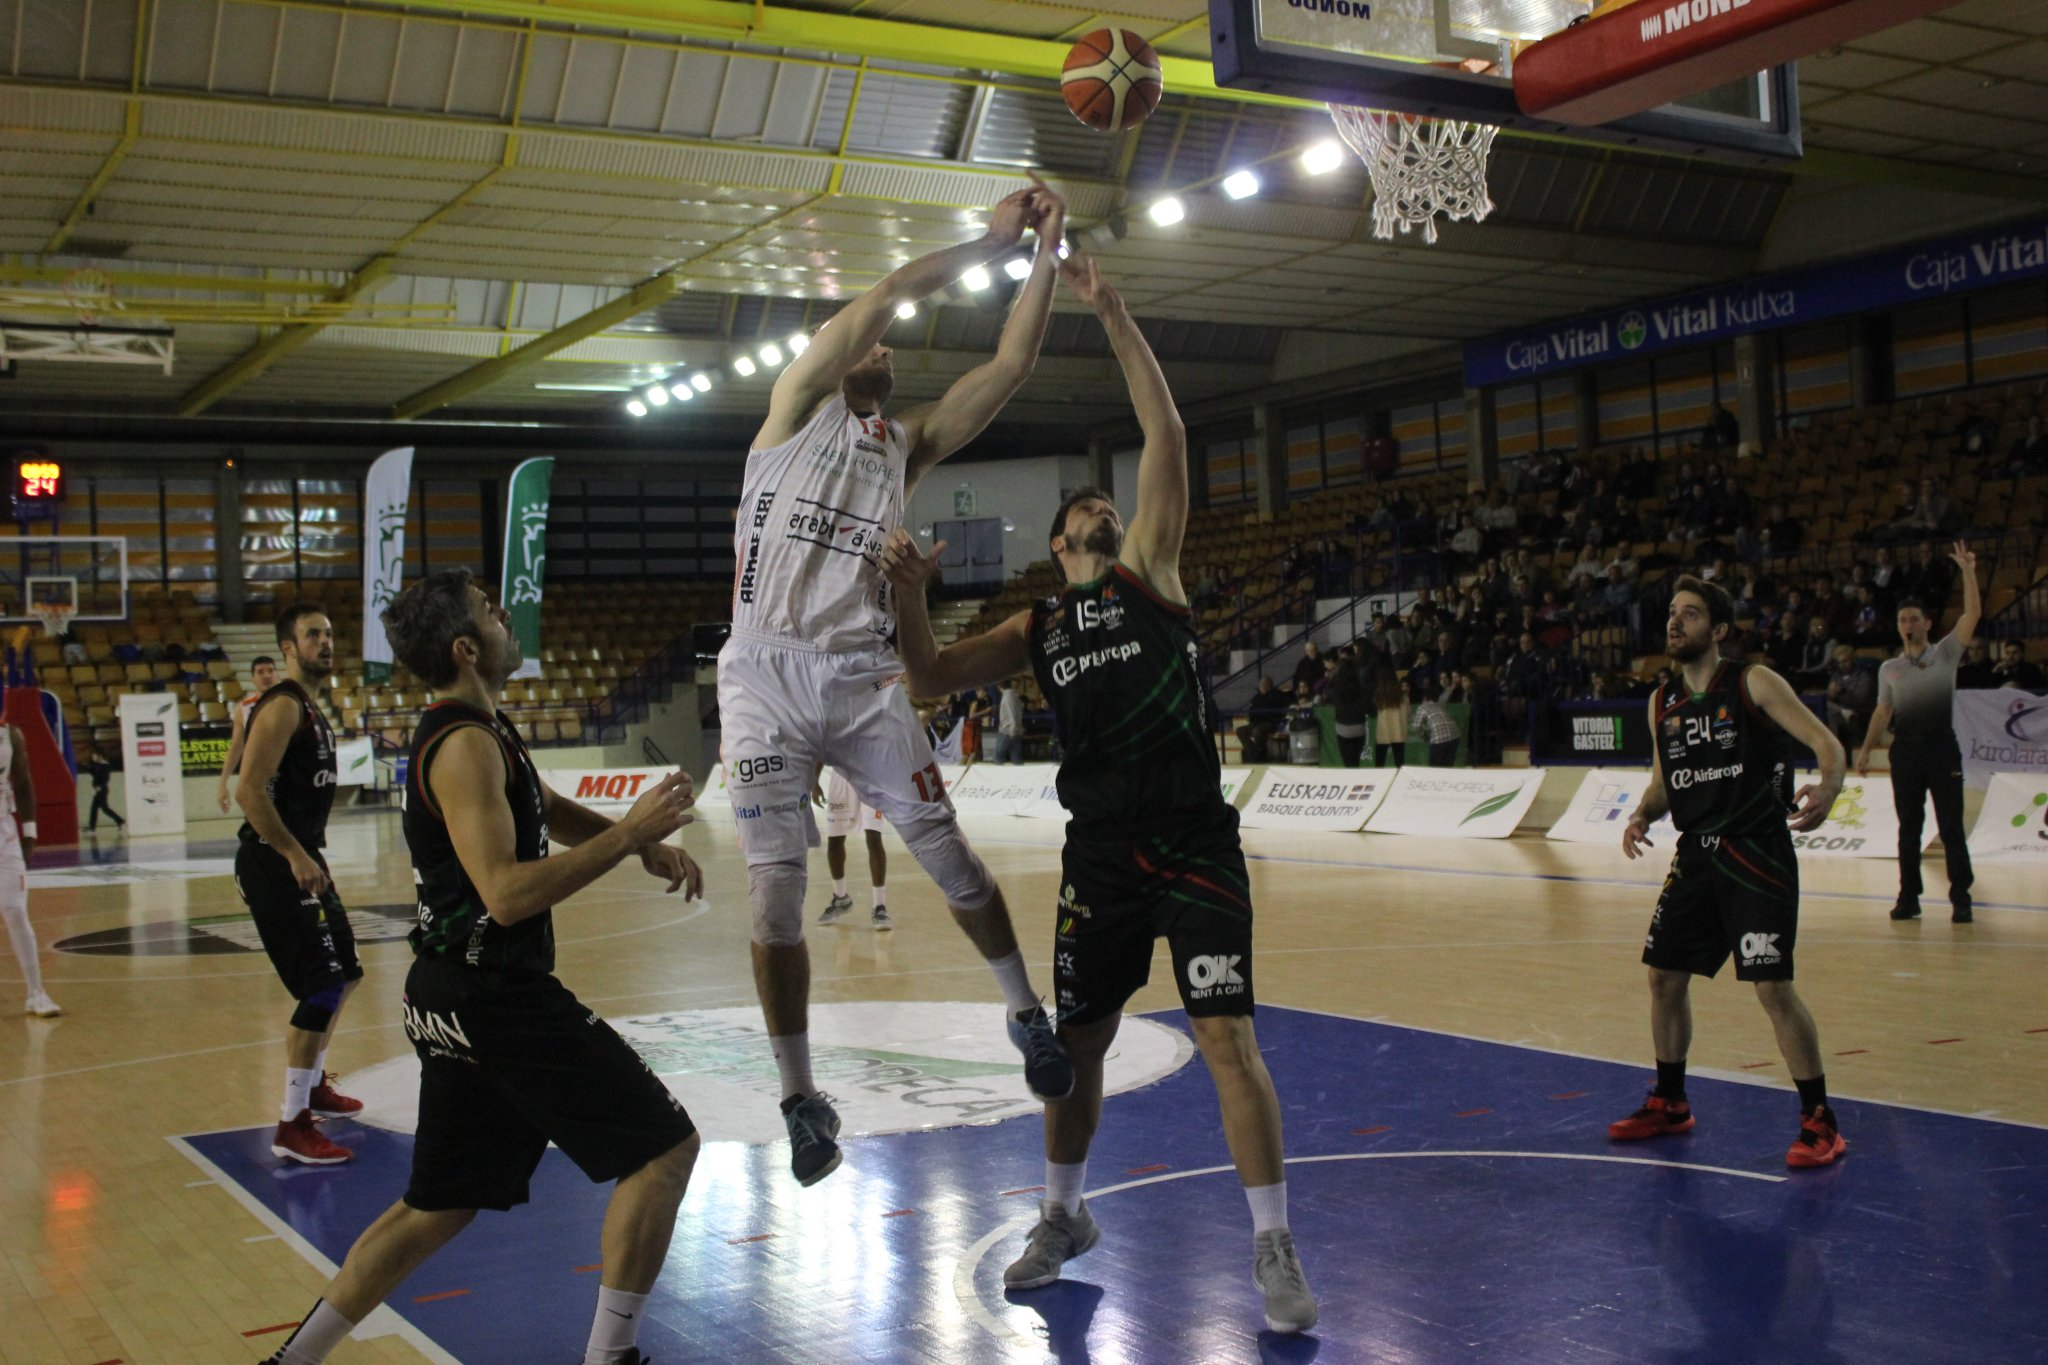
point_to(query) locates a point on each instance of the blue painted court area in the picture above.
(1454, 1200)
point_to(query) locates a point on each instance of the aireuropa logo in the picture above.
(890, 1067)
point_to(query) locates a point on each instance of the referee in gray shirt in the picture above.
(1916, 702)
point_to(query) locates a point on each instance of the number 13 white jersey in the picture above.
(808, 539)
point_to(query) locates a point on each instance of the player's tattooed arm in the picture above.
(1776, 699)
(973, 662)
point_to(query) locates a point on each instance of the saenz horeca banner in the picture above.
(1929, 270)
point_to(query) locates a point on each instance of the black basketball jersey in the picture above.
(302, 788)
(453, 923)
(1727, 766)
(1121, 668)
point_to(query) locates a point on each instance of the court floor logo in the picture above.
(211, 935)
(890, 1067)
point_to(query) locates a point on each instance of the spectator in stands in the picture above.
(2013, 670)
(1747, 588)
(1265, 716)
(1346, 696)
(1589, 599)
(1309, 670)
(1399, 640)
(1623, 524)
(1723, 431)
(1466, 545)
(2029, 454)
(1851, 693)
(1931, 509)
(1383, 516)
(1618, 595)
(1542, 529)
(1974, 673)
(1784, 535)
(1620, 556)
(1525, 676)
(1974, 436)
(1884, 579)
(1438, 729)
(1929, 577)
(1009, 745)
(1816, 652)
(1426, 608)
(1786, 646)
(1826, 605)
(74, 648)
(1636, 477)
(1590, 563)
(1302, 562)
(1390, 719)
(1865, 628)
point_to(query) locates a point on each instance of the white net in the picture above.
(1420, 167)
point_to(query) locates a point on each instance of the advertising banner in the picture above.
(1864, 823)
(611, 790)
(2001, 730)
(1314, 798)
(384, 504)
(355, 762)
(1457, 803)
(526, 556)
(2013, 826)
(1590, 732)
(1602, 805)
(1000, 788)
(153, 776)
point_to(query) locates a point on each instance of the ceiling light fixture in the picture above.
(701, 382)
(743, 366)
(1017, 267)
(683, 392)
(1166, 212)
(1241, 185)
(771, 354)
(1322, 158)
(798, 343)
(976, 280)
(637, 408)
(657, 395)
(906, 311)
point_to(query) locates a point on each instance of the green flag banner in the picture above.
(526, 531)
(384, 503)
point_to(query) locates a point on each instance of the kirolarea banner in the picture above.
(2001, 730)
(526, 556)
(385, 493)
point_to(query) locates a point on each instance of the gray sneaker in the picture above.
(836, 910)
(1059, 1237)
(812, 1124)
(1276, 1270)
(882, 920)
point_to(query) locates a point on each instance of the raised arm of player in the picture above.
(467, 785)
(270, 732)
(1656, 802)
(23, 784)
(976, 661)
(1776, 699)
(1973, 596)
(570, 823)
(854, 331)
(1152, 542)
(936, 430)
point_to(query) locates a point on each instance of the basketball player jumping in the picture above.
(1722, 767)
(808, 677)
(15, 847)
(286, 791)
(262, 672)
(509, 1059)
(1152, 849)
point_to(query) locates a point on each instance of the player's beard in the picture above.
(315, 667)
(868, 388)
(1104, 538)
(1690, 650)
(501, 661)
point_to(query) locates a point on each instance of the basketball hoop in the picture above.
(55, 616)
(89, 292)
(1420, 167)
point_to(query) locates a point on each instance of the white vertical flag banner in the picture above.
(152, 763)
(385, 494)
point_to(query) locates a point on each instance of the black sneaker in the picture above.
(812, 1124)
(1961, 913)
(632, 1357)
(1047, 1071)
(1908, 907)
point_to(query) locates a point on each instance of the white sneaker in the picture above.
(1276, 1270)
(42, 1006)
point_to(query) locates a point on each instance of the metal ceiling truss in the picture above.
(82, 345)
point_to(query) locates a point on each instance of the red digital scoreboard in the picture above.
(38, 486)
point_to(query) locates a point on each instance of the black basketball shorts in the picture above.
(1118, 895)
(307, 937)
(510, 1062)
(1727, 894)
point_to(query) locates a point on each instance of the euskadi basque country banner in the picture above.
(1314, 798)
(1929, 270)
(2013, 826)
(1457, 803)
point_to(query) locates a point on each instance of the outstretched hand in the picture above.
(1050, 222)
(1084, 277)
(1014, 213)
(1965, 558)
(905, 566)
(1635, 837)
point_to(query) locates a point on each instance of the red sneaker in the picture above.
(302, 1141)
(329, 1103)
(1818, 1143)
(1657, 1117)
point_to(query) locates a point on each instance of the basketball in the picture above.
(1111, 80)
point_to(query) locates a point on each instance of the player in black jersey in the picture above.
(1152, 848)
(286, 791)
(510, 1060)
(1724, 733)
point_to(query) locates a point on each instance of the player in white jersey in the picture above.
(846, 812)
(263, 672)
(809, 677)
(15, 846)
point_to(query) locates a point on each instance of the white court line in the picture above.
(383, 1321)
(1740, 1078)
(969, 1261)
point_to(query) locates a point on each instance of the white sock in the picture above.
(23, 935)
(615, 1327)
(1063, 1184)
(793, 1060)
(1015, 981)
(1269, 1207)
(298, 1091)
(881, 895)
(838, 887)
(322, 1331)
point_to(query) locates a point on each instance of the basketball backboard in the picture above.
(1455, 59)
